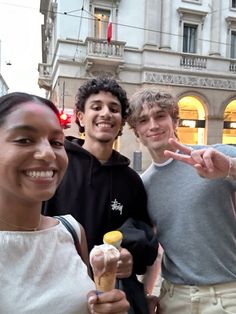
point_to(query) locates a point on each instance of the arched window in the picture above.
(229, 133)
(191, 128)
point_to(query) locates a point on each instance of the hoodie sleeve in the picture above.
(140, 240)
(138, 234)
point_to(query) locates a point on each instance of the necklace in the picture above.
(21, 227)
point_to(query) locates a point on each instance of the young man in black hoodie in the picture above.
(99, 188)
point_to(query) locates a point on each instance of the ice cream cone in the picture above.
(103, 259)
(106, 282)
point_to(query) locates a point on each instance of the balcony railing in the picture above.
(196, 62)
(44, 69)
(232, 66)
(44, 80)
(100, 48)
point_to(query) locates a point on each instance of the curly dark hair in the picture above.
(96, 85)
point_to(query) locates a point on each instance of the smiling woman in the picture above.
(32, 163)
(33, 139)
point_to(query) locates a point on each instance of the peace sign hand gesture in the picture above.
(208, 162)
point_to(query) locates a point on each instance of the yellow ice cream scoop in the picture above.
(114, 238)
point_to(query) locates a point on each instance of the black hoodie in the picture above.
(100, 196)
(105, 197)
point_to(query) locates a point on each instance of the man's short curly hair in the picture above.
(96, 85)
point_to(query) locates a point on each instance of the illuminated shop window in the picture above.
(229, 133)
(191, 128)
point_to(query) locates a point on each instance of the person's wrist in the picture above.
(231, 173)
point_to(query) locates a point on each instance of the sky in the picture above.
(20, 40)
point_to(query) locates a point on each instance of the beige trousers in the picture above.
(181, 299)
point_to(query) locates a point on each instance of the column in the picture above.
(215, 28)
(152, 22)
(214, 127)
(166, 24)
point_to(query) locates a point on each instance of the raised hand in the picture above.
(208, 162)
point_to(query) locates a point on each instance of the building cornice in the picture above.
(189, 80)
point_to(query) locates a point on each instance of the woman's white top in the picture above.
(41, 272)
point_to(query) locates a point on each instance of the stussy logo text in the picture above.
(116, 206)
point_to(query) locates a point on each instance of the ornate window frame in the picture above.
(107, 5)
(231, 27)
(195, 17)
(231, 7)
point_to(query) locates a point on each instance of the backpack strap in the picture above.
(72, 231)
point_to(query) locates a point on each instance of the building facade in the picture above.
(185, 47)
(3, 84)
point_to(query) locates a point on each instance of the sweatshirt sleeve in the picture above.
(138, 234)
(140, 240)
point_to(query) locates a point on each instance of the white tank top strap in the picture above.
(74, 224)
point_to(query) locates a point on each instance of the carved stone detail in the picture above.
(184, 80)
(105, 73)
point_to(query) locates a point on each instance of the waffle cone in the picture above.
(104, 259)
(106, 282)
